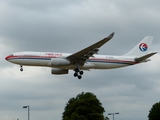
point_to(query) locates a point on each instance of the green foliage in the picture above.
(84, 107)
(154, 113)
(106, 118)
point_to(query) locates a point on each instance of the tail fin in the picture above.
(142, 48)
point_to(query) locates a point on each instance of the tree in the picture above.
(106, 118)
(85, 106)
(154, 113)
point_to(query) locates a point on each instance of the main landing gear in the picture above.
(21, 68)
(78, 73)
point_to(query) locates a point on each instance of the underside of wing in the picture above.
(82, 55)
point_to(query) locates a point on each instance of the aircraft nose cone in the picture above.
(7, 58)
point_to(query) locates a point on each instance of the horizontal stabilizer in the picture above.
(144, 58)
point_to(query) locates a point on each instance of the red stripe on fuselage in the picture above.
(25, 56)
(113, 61)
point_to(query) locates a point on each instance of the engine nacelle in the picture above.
(59, 62)
(58, 71)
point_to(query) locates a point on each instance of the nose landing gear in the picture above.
(78, 73)
(21, 68)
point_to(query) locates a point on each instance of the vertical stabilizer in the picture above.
(142, 48)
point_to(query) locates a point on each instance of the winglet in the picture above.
(111, 35)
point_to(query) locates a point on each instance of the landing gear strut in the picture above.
(78, 73)
(21, 68)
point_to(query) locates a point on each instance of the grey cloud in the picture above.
(69, 26)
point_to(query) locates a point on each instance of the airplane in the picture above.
(85, 59)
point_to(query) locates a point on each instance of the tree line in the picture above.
(86, 106)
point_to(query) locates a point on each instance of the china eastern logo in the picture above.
(143, 47)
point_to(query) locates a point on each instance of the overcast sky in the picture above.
(69, 26)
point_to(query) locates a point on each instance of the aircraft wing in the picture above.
(82, 55)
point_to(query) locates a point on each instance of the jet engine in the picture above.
(58, 71)
(59, 62)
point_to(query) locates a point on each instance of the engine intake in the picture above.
(58, 71)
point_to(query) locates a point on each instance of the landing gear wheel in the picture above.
(76, 70)
(75, 74)
(81, 72)
(78, 73)
(79, 77)
(21, 69)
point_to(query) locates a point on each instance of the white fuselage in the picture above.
(84, 59)
(95, 62)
